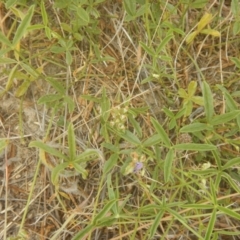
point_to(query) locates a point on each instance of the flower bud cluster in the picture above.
(119, 118)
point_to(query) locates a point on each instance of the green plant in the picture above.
(189, 98)
(72, 160)
(204, 21)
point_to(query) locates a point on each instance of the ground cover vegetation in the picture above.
(120, 119)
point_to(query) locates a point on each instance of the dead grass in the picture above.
(52, 216)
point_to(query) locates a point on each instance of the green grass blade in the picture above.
(48, 149)
(56, 171)
(56, 85)
(104, 211)
(110, 163)
(80, 169)
(184, 222)
(82, 234)
(164, 42)
(208, 101)
(161, 132)
(168, 165)
(130, 137)
(4, 40)
(130, 7)
(194, 147)
(229, 212)
(224, 118)
(210, 226)
(155, 223)
(22, 89)
(87, 155)
(135, 125)
(71, 143)
(22, 28)
(153, 140)
(231, 163)
(50, 98)
(196, 127)
(44, 13)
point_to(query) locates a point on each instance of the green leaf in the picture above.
(61, 4)
(44, 13)
(135, 125)
(231, 163)
(168, 112)
(22, 89)
(110, 163)
(168, 165)
(198, 100)
(49, 98)
(4, 40)
(204, 21)
(236, 27)
(130, 137)
(224, 118)
(69, 58)
(83, 15)
(153, 140)
(183, 220)
(130, 7)
(5, 60)
(229, 212)
(191, 36)
(56, 85)
(71, 143)
(196, 127)
(91, 98)
(211, 32)
(198, 4)
(198, 206)
(30, 70)
(236, 61)
(11, 76)
(82, 234)
(211, 223)
(70, 103)
(182, 93)
(155, 223)
(57, 49)
(188, 106)
(48, 149)
(104, 211)
(231, 182)
(235, 7)
(161, 132)
(208, 101)
(106, 222)
(194, 147)
(36, 27)
(10, 3)
(22, 28)
(110, 146)
(147, 49)
(163, 43)
(192, 87)
(56, 171)
(80, 169)
(231, 104)
(87, 155)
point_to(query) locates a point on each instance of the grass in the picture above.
(120, 120)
